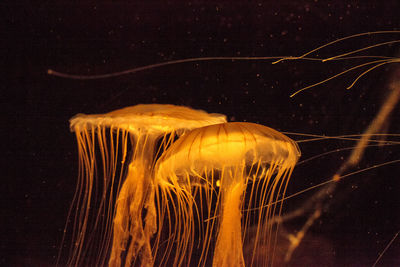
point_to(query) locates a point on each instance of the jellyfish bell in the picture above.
(142, 126)
(241, 142)
(231, 156)
(152, 118)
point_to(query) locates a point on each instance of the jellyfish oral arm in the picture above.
(127, 221)
(229, 247)
(133, 197)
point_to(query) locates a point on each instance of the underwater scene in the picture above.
(202, 134)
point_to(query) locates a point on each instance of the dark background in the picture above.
(40, 153)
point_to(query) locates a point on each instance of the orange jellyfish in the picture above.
(132, 221)
(232, 165)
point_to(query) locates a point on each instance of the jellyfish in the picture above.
(218, 163)
(134, 214)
